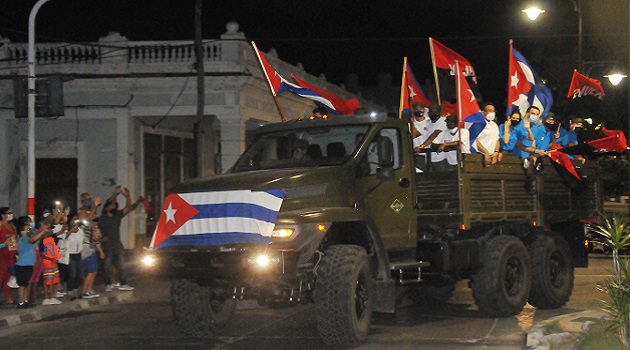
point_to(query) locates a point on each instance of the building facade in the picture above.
(130, 118)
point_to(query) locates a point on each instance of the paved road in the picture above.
(146, 323)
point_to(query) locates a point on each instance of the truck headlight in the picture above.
(149, 260)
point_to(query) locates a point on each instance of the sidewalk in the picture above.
(10, 316)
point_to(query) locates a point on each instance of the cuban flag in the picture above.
(468, 108)
(525, 88)
(217, 217)
(323, 99)
(411, 90)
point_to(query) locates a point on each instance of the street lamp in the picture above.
(534, 11)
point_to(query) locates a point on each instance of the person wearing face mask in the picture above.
(447, 143)
(487, 143)
(433, 128)
(8, 252)
(419, 133)
(109, 224)
(525, 140)
(506, 132)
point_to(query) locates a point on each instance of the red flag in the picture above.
(340, 105)
(581, 86)
(444, 63)
(585, 97)
(518, 84)
(412, 90)
(563, 160)
(273, 78)
(615, 141)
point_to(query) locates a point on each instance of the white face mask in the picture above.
(490, 116)
(453, 130)
(533, 119)
(9, 217)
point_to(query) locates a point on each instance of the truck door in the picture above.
(388, 189)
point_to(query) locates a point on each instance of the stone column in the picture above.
(111, 51)
(232, 142)
(231, 43)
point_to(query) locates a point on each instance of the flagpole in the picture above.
(437, 82)
(273, 94)
(402, 86)
(460, 158)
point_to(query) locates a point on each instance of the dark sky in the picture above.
(342, 36)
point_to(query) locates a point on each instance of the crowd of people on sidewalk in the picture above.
(61, 250)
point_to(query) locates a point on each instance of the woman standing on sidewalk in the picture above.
(7, 254)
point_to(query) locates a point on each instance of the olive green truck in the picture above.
(353, 228)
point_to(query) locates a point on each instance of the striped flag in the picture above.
(217, 217)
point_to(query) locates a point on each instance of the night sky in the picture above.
(345, 36)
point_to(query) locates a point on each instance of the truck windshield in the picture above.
(309, 147)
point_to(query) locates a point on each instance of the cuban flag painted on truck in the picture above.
(217, 218)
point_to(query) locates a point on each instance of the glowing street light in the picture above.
(533, 12)
(615, 78)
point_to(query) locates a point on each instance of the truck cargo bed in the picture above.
(504, 192)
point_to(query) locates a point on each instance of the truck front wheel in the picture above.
(552, 275)
(200, 311)
(344, 295)
(501, 286)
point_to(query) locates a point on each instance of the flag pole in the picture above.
(273, 94)
(402, 86)
(437, 82)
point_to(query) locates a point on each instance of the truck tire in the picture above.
(219, 306)
(429, 295)
(501, 286)
(552, 272)
(198, 312)
(344, 292)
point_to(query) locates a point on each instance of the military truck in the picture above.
(358, 228)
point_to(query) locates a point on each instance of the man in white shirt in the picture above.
(447, 143)
(419, 133)
(487, 143)
(433, 127)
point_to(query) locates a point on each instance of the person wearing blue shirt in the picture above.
(26, 260)
(525, 145)
(506, 132)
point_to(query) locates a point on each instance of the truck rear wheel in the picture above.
(344, 295)
(199, 311)
(502, 284)
(552, 272)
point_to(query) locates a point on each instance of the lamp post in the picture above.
(533, 12)
(31, 109)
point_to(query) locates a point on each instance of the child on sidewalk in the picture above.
(51, 255)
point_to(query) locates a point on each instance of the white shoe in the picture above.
(60, 294)
(47, 302)
(125, 287)
(54, 301)
(108, 288)
(116, 285)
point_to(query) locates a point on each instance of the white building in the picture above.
(130, 115)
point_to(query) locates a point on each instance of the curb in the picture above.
(570, 325)
(42, 312)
